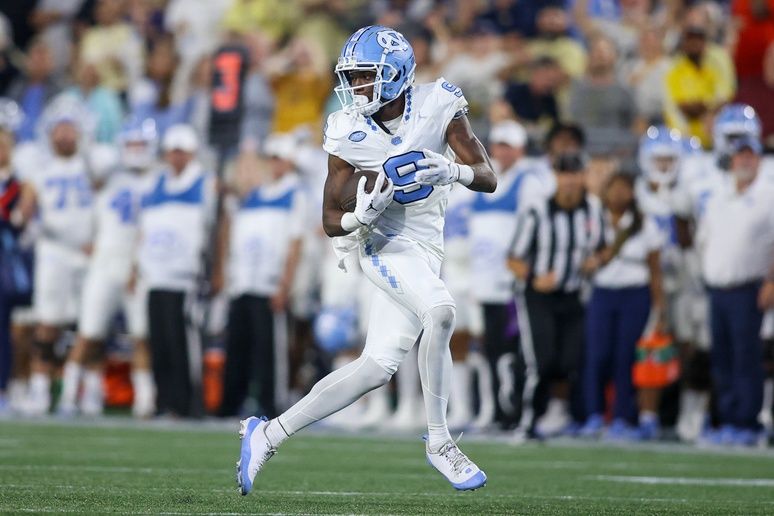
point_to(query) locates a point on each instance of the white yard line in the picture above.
(687, 481)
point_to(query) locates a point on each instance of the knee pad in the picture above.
(44, 350)
(442, 317)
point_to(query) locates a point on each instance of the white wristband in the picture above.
(349, 222)
(466, 174)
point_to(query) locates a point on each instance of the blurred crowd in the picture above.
(132, 220)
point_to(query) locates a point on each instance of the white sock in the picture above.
(142, 383)
(435, 372)
(334, 392)
(92, 388)
(71, 379)
(275, 433)
(144, 392)
(648, 416)
(40, 389)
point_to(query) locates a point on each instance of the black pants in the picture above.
(249, 355)
(552, 341)
(501, 354)
(168, 336)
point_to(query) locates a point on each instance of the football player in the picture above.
(61, 196)
(105, 290)
(419, 139)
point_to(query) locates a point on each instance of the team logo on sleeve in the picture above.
(357, 136)
(392, 41)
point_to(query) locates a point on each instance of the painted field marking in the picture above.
(687, 481)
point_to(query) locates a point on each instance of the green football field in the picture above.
(118, 466)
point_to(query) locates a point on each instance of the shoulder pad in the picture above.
(442, 96)
(337, 128)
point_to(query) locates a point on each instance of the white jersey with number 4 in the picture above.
(117, 210)
(417, 211)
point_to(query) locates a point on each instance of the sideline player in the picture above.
(105, 290)
(61, 195)
(412, 135)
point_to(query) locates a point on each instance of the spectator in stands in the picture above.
(534, 102)
(602, 105)
(155, 96)
(103, 103)
(34, 88)
(627, 289)
(265, 245)
(754, 21)
(258, 95)
(512, 16)
(479, 50)
(113, 46)
(194, 24)
(622, 30)
(175, 223)
(646, 77)
(301, 83)
(552, 237)
(736, 239)
(758, 92)
(553, 40)
(275, 18)
(696, 84)
(53, 19)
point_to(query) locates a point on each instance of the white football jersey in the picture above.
(65, 201)
(417, 211)
(117, 208)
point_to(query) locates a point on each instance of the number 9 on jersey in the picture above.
(401, 170)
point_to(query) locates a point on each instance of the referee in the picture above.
(552, 239)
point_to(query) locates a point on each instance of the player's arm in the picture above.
(28, 205)
(473, 170)
(471, 152)
(338, 173)
(370, 205)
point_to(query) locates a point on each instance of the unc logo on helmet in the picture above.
(392, 40)
(388, 55)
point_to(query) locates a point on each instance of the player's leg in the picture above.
(411, 277)
(135, 311)
(461, 410)
(23, 340)
(392, 332)
(52, 281)
(99, 304)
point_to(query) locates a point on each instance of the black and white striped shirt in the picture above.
(550, 238)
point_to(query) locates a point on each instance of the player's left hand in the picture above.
(438, 170)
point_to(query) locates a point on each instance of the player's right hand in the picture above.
(370, 205)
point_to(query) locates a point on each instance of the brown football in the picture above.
(348, 193)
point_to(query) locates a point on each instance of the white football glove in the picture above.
(439, 170)
(370, 205)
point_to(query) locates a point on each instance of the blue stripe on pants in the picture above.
(615, 320)
(737, 354)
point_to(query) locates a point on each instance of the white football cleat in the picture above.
(256, 450)
(458, 469)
